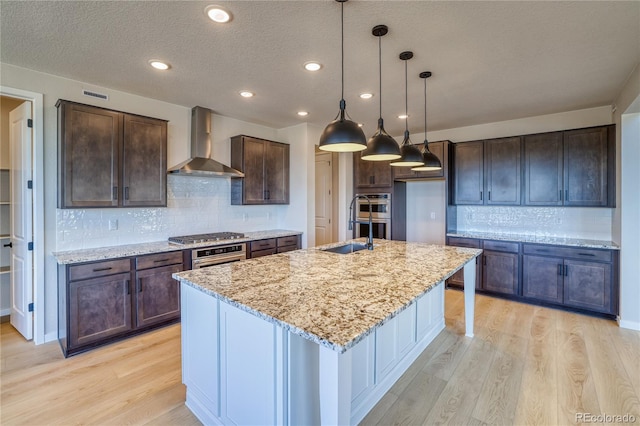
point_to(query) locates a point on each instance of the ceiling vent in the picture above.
(95, 95)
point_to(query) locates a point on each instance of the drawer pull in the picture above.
(102, 269)
(264, 245)
(161, 260)
(543, 250)
(139, 285)
(587, 254)
(128, 287)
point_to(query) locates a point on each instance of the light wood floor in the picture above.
(526, 365)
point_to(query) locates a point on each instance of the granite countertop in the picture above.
(113, 252)
(332, 299)
(538, 239)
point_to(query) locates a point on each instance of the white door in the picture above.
(21, 220)
(324, 205)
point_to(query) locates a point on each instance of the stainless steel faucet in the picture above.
(370, 222)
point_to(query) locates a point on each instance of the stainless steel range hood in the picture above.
(201, 163)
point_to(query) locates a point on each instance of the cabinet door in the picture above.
(542, 278)
(543, 169)
(500, 272)
(99, 308)
(254, 151)
(587, 285)
(144, 162)
(585, 167)
(502, 171)
(469, 173)
(89, 144)
(371, 174)
(276, 167)
(157, 295)
(457, 279)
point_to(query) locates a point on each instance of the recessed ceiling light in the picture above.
(159, 65)
(360, 124)
(303, 113)
(403, 116)
(246, 94)
(312, 66)
(366, 95)
(217, 14)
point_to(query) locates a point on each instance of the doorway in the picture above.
(326, 200)
(21, 165)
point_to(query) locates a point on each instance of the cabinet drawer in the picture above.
(510, 247)
(263, 245)
(159, 259)
(570, 252)
(260, 253)
(288, 241)
(284, 249)
(463, 242)
(98, 269)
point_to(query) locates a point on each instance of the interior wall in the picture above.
(627, 214)
(426, 204)
(7, 104)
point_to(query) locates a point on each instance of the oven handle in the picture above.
(217, 260)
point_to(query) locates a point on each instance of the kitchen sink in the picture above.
(347, 248)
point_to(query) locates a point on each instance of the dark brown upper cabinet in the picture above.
(585, 167)
(543, 169)
(570, 168)
(371, 174)
(469, 173)
(439, 149)
(265, 165)
(502, 171)
(110, 159)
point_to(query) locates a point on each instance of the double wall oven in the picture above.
(380, 214)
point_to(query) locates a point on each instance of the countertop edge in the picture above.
(533, 239)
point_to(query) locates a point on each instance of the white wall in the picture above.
(625, 228)
(194, 205)
(426, 205)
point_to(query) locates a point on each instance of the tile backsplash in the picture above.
(574, 222)
(194, 205)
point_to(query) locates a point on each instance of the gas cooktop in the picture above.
(204, 238)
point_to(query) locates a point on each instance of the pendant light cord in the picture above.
(406, 97)
(425, 113)
(342, 45)
(380, 72)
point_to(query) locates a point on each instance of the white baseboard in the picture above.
(5, 312)
(631, 325)
(51, 336)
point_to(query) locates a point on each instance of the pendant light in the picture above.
(431, 162)
(381, 146)
(342, 135)
(411, 155)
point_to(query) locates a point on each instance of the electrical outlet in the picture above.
(244, 217)
(433, 215)
(113, 224)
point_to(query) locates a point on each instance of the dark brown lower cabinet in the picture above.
(99, 308)
(101, 302)
(500, 272)
(542, 278)
(271, 246)
(587, 285)
(158, 295)
(457, 279)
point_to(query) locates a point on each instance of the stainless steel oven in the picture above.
(210, 256)
(380, 216)
(380, 206)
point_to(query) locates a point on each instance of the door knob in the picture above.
(8, 245)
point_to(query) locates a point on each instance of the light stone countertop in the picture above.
(114, 252)
(332, 299)
(538, 239)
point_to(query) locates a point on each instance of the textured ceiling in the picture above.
(491, 61)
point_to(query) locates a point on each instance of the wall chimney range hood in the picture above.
(200, 163)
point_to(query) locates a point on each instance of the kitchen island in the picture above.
(310, 336)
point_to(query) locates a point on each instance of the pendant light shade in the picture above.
(342, 135)
(381, 146)
(410, 155)
(431, 162)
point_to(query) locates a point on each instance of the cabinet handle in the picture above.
(502, 247)
(8, 245)
(566, 270)
(102, 269)
(160, 260)
(489, 195)
(115, 192)
(587, 254)
(566, 195)
(484, 260)
(126, 192)
(542, 250)
(139, 284)
(559, 269)
(263, 245)
(268, 194)
(560, 195)
(128, 286)
(480, 195)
